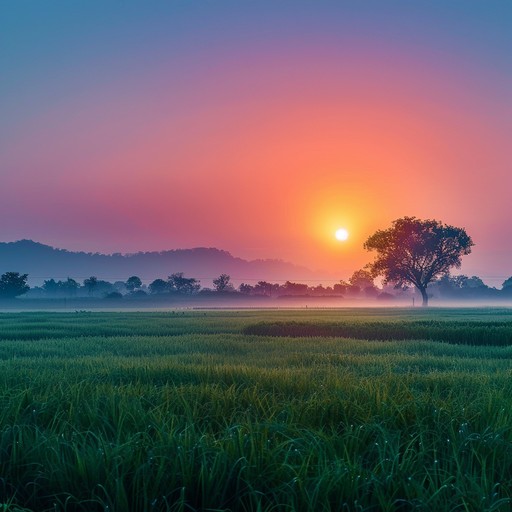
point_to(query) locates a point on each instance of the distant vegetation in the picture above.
(360, 285)
(182, 411)
(13, 284)
(411, 254)
(37, 259)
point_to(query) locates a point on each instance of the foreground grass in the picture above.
(168, 412)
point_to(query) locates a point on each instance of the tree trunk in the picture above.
(424, 295)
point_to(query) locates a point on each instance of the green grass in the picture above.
(186, 411)
(459, 332)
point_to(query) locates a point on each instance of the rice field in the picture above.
(306, 410)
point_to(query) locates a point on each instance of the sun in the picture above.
(341, 234)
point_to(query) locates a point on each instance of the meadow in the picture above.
(252, 410)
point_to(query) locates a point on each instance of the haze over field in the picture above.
(258, 128)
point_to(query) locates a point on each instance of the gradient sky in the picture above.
(258, 127)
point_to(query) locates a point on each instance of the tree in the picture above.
(507, 284)
(70, 286)
(289, 288)
(65, 288)
(13, 284)
(416, 252)
(264, 288)
(120, 286)
(103, 287)
(462, 286)
(246, 289)
(51, 287)
(133, 282)
(341, 287)
(222, 283)
(475, 282)
(158, 286)
(186, 285)
(91, 283)
(362, 280)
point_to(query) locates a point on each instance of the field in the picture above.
(308, 410)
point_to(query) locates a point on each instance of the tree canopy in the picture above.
(68, 287)
(91, 283)
(507, 284)
(13, 284)
(415, 251)
(133, 282)
(178, 283)
(223, 284)
(158, 286)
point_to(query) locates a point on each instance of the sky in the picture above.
(257, 127)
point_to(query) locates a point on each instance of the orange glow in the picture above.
(267, 171)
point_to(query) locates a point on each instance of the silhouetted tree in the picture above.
(246, 289)
(158, 286)
(461, 282)
(289, 288)
(222, 283)
(91, 283)
(462, 286)
(51, 287)
(263, 288)
(120, 286)
(319, 290)
(507, 284)
(341, 287)
(180, 284)
(104, 287)
(362, 280)
(417, 251)
(475, 282)
(13, 284)
(70, 286)
(133, 282)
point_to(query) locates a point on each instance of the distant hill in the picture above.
(44, 262)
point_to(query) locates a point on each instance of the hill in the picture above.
(44, 262)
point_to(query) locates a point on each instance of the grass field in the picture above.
(343, 410)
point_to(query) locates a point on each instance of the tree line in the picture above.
(360, 285)
(411, 253)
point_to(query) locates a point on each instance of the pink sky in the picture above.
(263, 146)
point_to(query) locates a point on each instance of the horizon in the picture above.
(257, 129)
(310, 277)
